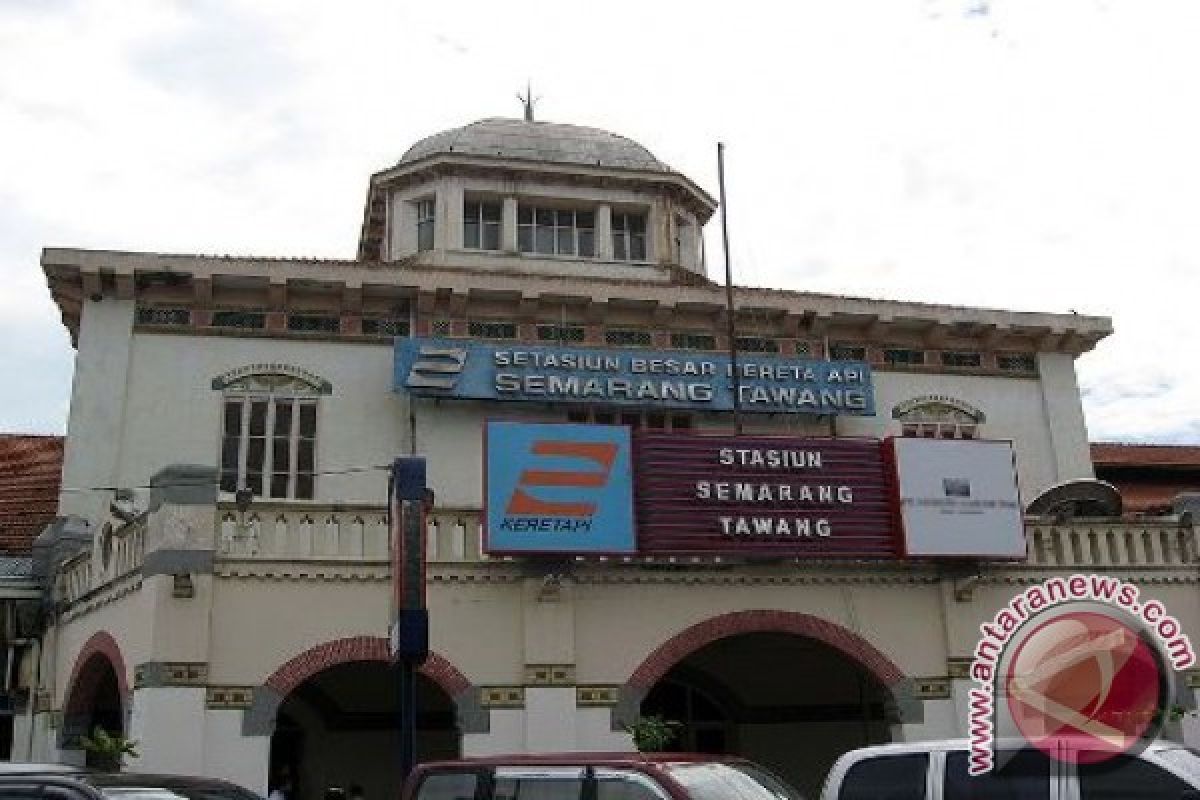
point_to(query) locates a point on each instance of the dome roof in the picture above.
(538, 141)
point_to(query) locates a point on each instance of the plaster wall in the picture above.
(178, 412)
(99, 400)
(159, 714)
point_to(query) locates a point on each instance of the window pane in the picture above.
(544, 240)
(279, 454)
(471, 212)
(258, 417)
(887, 778)
(254, 482)
(538, 789)
(229, 453)
(448, 786)
(587, 243)
(637, 223)
(283, 417)
(304, 457)
(1025, 774)
(229, 481)
(585, 219)
(619, 247)
(425, 235)
(304, 487)
(491, 212)
(1128, 778)
(544, 217)
(566, 219)
(233, 419)
(637, 248)
(524, 215)
(566, 241)
(471, 234)
(525, 239)
(255, 453)
(491, 237)
(308, 420)
(279, 483)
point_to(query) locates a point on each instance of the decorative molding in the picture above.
(931, 688)
(921, 403)
(228, 697)
(549, 674)
(229, 377)
(502, 696)
(606, 696)
(158, 674)
(958, 667)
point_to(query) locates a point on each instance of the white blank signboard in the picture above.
(958, 498)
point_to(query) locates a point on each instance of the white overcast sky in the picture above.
(1024, 154)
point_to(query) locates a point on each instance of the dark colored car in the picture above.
(59, 782)
(596, 776)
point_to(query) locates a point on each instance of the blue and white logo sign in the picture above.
(554, 488)
(667, 379)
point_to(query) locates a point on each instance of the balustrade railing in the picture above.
(1105, 544)
(294, 532)
(338, 533)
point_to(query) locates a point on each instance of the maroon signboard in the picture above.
(763, 496)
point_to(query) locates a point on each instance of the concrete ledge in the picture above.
(177, 562)
(183, 485)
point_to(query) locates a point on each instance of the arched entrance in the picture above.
(336, 724)
(96, 693)
(790, 696)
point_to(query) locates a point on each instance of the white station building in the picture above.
(528, 272)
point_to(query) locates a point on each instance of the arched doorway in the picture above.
(791, 693)
(96, 693)
(339, 728)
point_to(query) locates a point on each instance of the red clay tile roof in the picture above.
(30, 474)
(1112, 454)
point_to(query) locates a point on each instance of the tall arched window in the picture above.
(269, 435)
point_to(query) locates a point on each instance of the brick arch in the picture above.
(683, 644)
(359, 648)
(82, 684)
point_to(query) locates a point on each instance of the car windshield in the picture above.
(1184, 760)
(731, 782)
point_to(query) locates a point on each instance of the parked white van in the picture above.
(937, 770)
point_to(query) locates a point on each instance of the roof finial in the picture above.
(528, 100)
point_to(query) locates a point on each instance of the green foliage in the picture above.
(106, 751)
(652, 734)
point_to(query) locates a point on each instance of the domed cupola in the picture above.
(539, 142)
(537, 197)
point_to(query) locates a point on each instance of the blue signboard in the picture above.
(666, 379)
(558, 488)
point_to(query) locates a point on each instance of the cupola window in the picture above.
(629, 236)
(425, 220)
(481, 226)
(556, 231)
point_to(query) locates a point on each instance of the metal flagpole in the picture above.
(731, 329)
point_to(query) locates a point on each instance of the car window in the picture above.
(448, 786)
(625, 785)
(539, 784)
(731, 782)
(900, 777)
(1128, 778)
(1018, 775)
(140, 793)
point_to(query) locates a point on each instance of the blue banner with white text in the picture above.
(667, 379)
